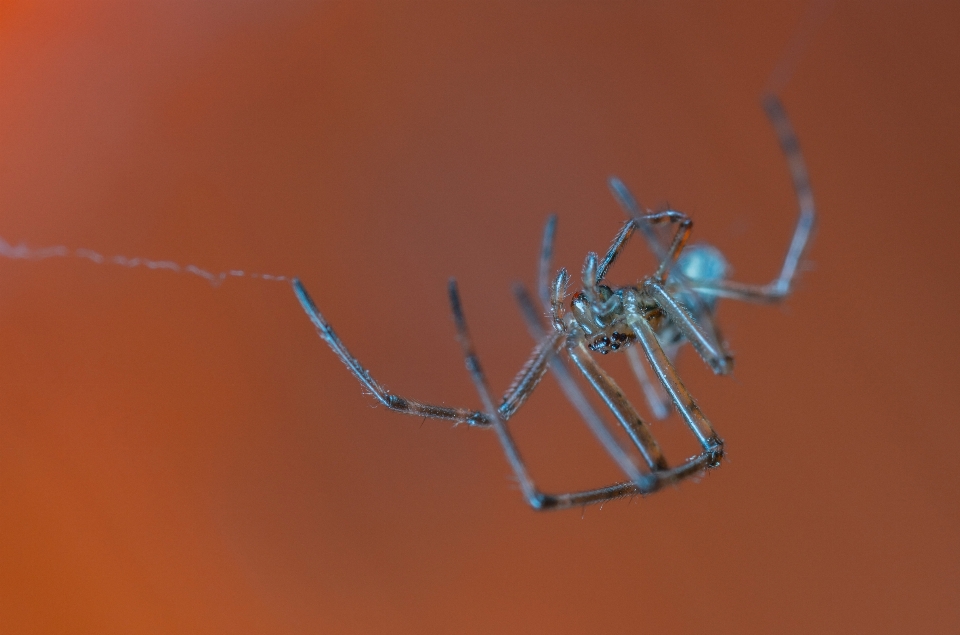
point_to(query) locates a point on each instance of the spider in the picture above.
(673, 306)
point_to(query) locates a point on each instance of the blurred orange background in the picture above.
(178, 458)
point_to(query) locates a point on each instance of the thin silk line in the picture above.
(23, 252)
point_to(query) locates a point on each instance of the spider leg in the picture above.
(611, 394)
(535, 498)
(391, 401)
(524, 383)
(629, 204)
(619, 241)
(694, 466)
(684, 227)
(658, 400)
(530, 375)
(556, 502)
(698, 423)
(780, 287)
(656, 480)
(719, 360)
(587, 412)
(646, 222)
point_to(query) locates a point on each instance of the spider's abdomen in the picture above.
(701, 263)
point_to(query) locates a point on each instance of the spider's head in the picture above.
(601, 319)
(598, 311)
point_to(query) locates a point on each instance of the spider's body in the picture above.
(666, 309)
(608, 333)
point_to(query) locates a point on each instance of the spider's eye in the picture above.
(601, 345)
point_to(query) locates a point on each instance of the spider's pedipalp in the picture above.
(546, 259)
(558, 294)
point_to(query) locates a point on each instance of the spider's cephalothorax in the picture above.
(600, 311)
(602, 323)
(649, 320)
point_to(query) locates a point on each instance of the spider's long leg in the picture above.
(780, 287)
(537, 499)
(655, 480)
(712, 353)
(523, 384)
(659, 402)
(667, 256)
(530, 375)
(629, 204)
(699, 424)
(551, 294)
(685, 226)
(576, 397)
(625, 413)
(391, 401)
(672, 476)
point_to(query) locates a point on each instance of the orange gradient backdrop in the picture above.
(179, 458)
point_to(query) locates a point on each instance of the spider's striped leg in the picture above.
(605, 386)
(694, 466)
(658, 400)
(656, 479)
(611, 393)
(629, 205)
(780, 287)
(801, 185)
(551, 502)
(698, 423)
(646, 222)
(712, 352)
(685, 226)
(534, 497)
(526, 380)
(625, 413)
(530, 375)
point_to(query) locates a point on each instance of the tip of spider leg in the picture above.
(724, 365)
(621, 192)
(302, 296)
(541, 502)
(297, 286)
(454, 293)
